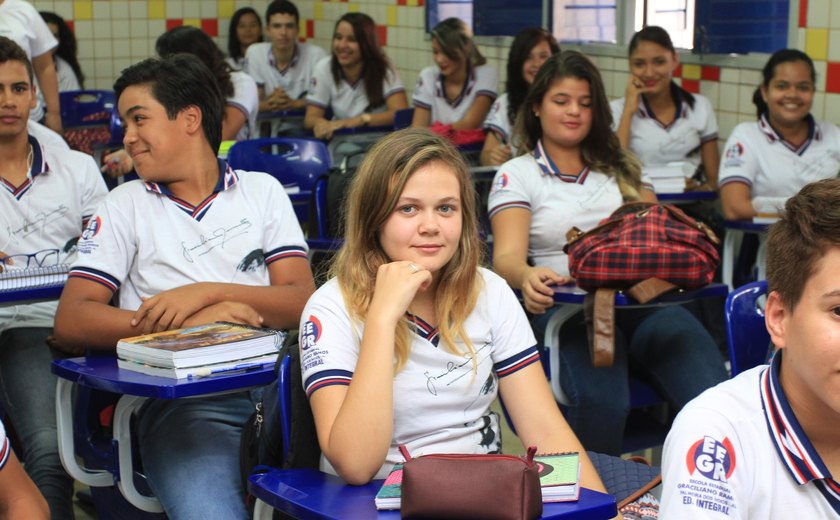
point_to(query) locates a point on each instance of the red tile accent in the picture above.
(310, 28)
(803, 13)
(172, 23)
(678, 71)
(832, 77)
(382, 34)
(71, 25)
(210, 26)
(401, 2)
(710, 73)
(420, 3)
(691, 85)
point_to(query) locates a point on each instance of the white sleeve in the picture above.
(94, 190)
(617, 108)
(67, 79)
(487, 81)
(509, 189)
(245, 98)
(252, 66)
(283, 236)
(709, 131)
(392, 84)
(497, 118)
(319, 88)
(424, 89)
(512, 334)
(704, 471)
(44, 40)
(738, 163)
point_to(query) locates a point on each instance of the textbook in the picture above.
(18, 279)
(559, 480)
(216, 369)
(200, 346)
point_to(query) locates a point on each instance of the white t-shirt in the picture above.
(67, 79)
(48, 211)
(347, 100)
(657, 144)
(21, 23)
(441, 405)
(144, 240)
(738, 452)
(430, 94)
(557, 202)
(247, 99)
(756, 155)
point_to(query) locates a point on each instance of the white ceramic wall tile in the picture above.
(832, 108)
(818, 13)
(103, 68)
(710, 89)
(728, 98)
(800, 38)
(84, 31)
(727, 121)
(138, 10)
(121, 29)
(85, 48)
(834, 16)
(63, 9)
(818, 107)
(119, 9)
(101, 10)
(192, 8)
(821, 67)
(745, 95)
(750, 77)
(174, 9)
(156, 28)
(138, 30)
(729, 75)
(103, 51)
(834, 44)
(122, 49)
(210, 10)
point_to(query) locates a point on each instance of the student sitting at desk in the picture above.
(282, 67)
(193, 242)
(411, 341)
(357, 82)
(48, 195)
(786, 148)
(460, 88)
(529, 50)
(245, 30)
(766, 444)
(576, 175)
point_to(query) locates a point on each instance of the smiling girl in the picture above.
(411, 341)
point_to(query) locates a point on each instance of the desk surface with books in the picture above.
(310, 494)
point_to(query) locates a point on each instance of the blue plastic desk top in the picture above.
(686, 196)
(575, 295)
(23, 296)
(308, 494)
(102, 373)
(747, 226)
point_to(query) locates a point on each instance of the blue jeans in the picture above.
(28, 398)
(665, 346)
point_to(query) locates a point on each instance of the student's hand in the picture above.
(538, 288)
(279, 100)
(233, 312)
(170, 309)
(632, 95)
(396, 285)
(501, 154)
(3, 265)
(324, 129)
(53, 120)
(117, 164)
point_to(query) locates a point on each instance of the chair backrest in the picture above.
(86, 107)
(749, 341)
(289, 160)
(403, 117)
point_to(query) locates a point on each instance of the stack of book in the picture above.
(671, 177)
(207, 350)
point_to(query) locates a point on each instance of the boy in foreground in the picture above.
(192, 242)
(766, 443)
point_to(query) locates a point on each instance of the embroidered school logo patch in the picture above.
(732, 156)
(92, 228)
(711, 458)
(310, 333)
(502, 182)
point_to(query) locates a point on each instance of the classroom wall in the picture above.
(114, 34)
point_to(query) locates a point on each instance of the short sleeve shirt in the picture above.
(345, 99)
(246, 224)
(557, 202)
(5, 446)
(430, 94)
(247, 100)
(48, 211)
(441, 404)
(294, 79)
(756, 155)
(746, 459)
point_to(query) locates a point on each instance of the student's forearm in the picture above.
(512, 268)
(92, 325)
(362, 431)
(279, 305)
(309, 121)
(623, 130)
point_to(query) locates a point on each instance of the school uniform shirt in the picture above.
(746, 459)
(497, 119)
(756, 155)
(657, 144)
(557, 201)
(441, 405)
(144, 240)
(21, 23)
(5, 447)
(345, 99)
(46, 136)
(430, 94)
(246, 98)
(48, 210)
(67, 79)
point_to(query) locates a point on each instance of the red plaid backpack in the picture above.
(643, 248)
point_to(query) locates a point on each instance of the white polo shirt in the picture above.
(756, 155)
(557, 201)
(246, 98)
(345, 99)
(440, 404)
(48, 211)
(657, 144)
(430, 94)
(21, 23)
(5, 447)
(737, 451)
(497, 119)
(144, 240)
(46, 136)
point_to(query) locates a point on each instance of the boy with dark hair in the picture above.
(47, 195)
(179, 245)
(766, 444)
(282, 67)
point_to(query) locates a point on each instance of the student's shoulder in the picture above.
(617, 106)
(322, 67)
(743, 399)
(328, 296)
(312, 51)
(67, 160)
(258, 52)
(829, 130)
(748, 130)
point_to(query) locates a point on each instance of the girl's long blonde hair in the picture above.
(372, 198)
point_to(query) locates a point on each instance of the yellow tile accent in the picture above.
(816, 43)
(83, 10)
(690, 71)
(411, 3)
(225, 8)
(352, 8)
(318, 11)
(157, 10)
(392, 16)
(193, 22)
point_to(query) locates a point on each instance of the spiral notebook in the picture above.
(34, 278)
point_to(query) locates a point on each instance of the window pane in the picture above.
(589, 20)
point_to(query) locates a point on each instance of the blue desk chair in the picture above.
(749, 341)
(289, 160)
(86, 117)
(403, 118)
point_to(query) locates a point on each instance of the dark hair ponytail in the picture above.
(769, 70)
